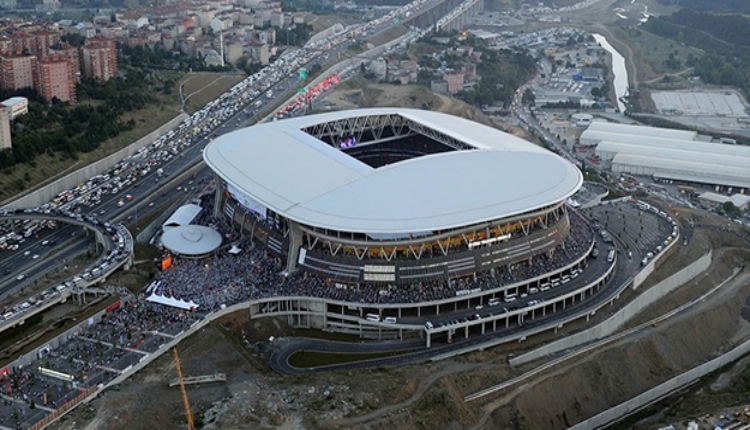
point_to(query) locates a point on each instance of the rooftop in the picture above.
(279, 166)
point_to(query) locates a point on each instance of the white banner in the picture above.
(247, 202)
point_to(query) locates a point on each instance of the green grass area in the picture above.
(310, 359)
(387, 35)
(46, 168)
(652, 51)
(203, 87)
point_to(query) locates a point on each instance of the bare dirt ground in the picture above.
(430, 395)
(359, 93)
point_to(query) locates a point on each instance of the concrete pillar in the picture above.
(466, 331)
(429, 339)
(295, 242)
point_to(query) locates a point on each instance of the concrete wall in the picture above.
(28, 358)
(49, 192)
(613, 323)
(662, 390)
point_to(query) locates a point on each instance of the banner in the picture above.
(166, 263)
(247, 202)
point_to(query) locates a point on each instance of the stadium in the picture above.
(392, 196)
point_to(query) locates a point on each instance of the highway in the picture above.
(146, 190)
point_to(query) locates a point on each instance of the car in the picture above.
(35, 256)
(478, 307)
(26, 253)
(45, 242)
(21, 277)
(151, 204)
(6, 272)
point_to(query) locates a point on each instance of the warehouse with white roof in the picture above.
(668, 133)
(668, 154)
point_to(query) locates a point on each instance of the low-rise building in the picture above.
(5, 137)
(714, 200)
(16, 106)
(455, 81)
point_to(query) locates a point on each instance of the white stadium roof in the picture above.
(191, 239)
(308, 181)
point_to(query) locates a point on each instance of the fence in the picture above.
(63, 409)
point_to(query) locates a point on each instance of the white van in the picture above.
(389, 320)
(372, 317)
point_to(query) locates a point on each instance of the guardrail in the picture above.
(613, 323)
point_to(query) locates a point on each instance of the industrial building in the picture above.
(590, 136)
(669, 155)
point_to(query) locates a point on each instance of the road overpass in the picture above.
(459, 17)
(116, 245)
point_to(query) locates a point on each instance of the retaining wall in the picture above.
(616, 321)
(28, 358)
(50, 191)
(662, 390)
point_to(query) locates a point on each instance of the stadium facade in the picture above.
(392, 196)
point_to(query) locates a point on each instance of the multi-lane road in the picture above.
(34, 260)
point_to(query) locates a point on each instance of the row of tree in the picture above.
(68, 130)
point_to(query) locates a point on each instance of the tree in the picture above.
(731, 210)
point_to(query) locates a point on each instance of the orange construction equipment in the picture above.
(191, 424)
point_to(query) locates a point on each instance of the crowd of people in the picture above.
(135, 327)
(225, 279)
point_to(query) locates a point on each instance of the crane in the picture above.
(191, 424)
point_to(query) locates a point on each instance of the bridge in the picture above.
(116, 245)
(197, 380)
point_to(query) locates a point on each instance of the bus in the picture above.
(611, 256)
(640, 204)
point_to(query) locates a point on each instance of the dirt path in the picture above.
(720, 297)
(424, 385)
(680, 73)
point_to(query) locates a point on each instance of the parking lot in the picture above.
(642, 232)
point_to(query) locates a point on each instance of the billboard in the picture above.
(166, 262)
(247, 202)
